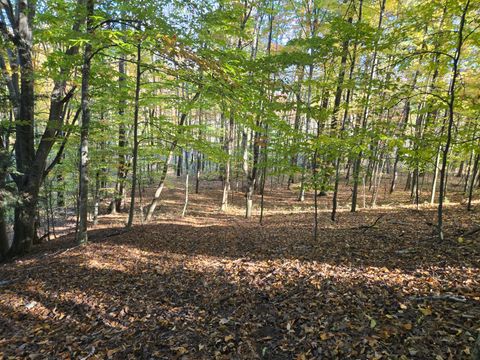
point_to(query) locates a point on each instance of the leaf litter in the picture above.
(216, 286)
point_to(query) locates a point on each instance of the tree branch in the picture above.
(60, 151)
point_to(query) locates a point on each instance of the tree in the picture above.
(451, 115)
(82, 235)
(16, 26)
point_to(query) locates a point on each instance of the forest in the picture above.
(240, 179)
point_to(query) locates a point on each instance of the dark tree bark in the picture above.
(451, 114)
(336, 106)
(472, 182)
(4, 163)
(82, 236)
(30, 162)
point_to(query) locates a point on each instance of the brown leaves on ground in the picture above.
(216, 286)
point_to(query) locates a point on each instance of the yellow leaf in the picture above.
(407, 326)
(425, 311)
(228, 338)
(373, 323)
(181, 350)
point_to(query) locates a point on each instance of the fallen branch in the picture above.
(7, 282)
(471, 232)
(98, 237)
(367, 227)
(449, 297)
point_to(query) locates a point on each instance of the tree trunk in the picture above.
(301, 194)
(187, 176)
(96, 197)
(161, 184)
(82, 236)
(180, 164)
(4, 243)
(451, 114)
(228, 148)
(173, 146)
(198, 168)
(364, 119)
(336, 106)
(138, 75)
(296, 125)
(472, 182)
(30, 162)
(24, 224)
(4, 163)
(118, 201)
(435, 177)
(252, 176)
(469, 170)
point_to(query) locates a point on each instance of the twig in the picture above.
(90, 354)
(7, 282)
(449, 297)
(471, 232)
(367, 227)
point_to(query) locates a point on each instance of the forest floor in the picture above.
(214, 285)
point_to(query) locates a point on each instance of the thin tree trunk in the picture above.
(228, 148)
(297, 122)
(364, 120)
(469, 171)
(96, 198)
(82, 236)
(138, 76)
(118, 201)
(451, 114)
(4, 242)
(161, 184)
(301, 195)
(252, 176)
(472, 182)
(264, 176)
(198, 167)
(435, 177)
(187, 170)
(336, 105)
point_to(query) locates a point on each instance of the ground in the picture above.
(217, 286)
